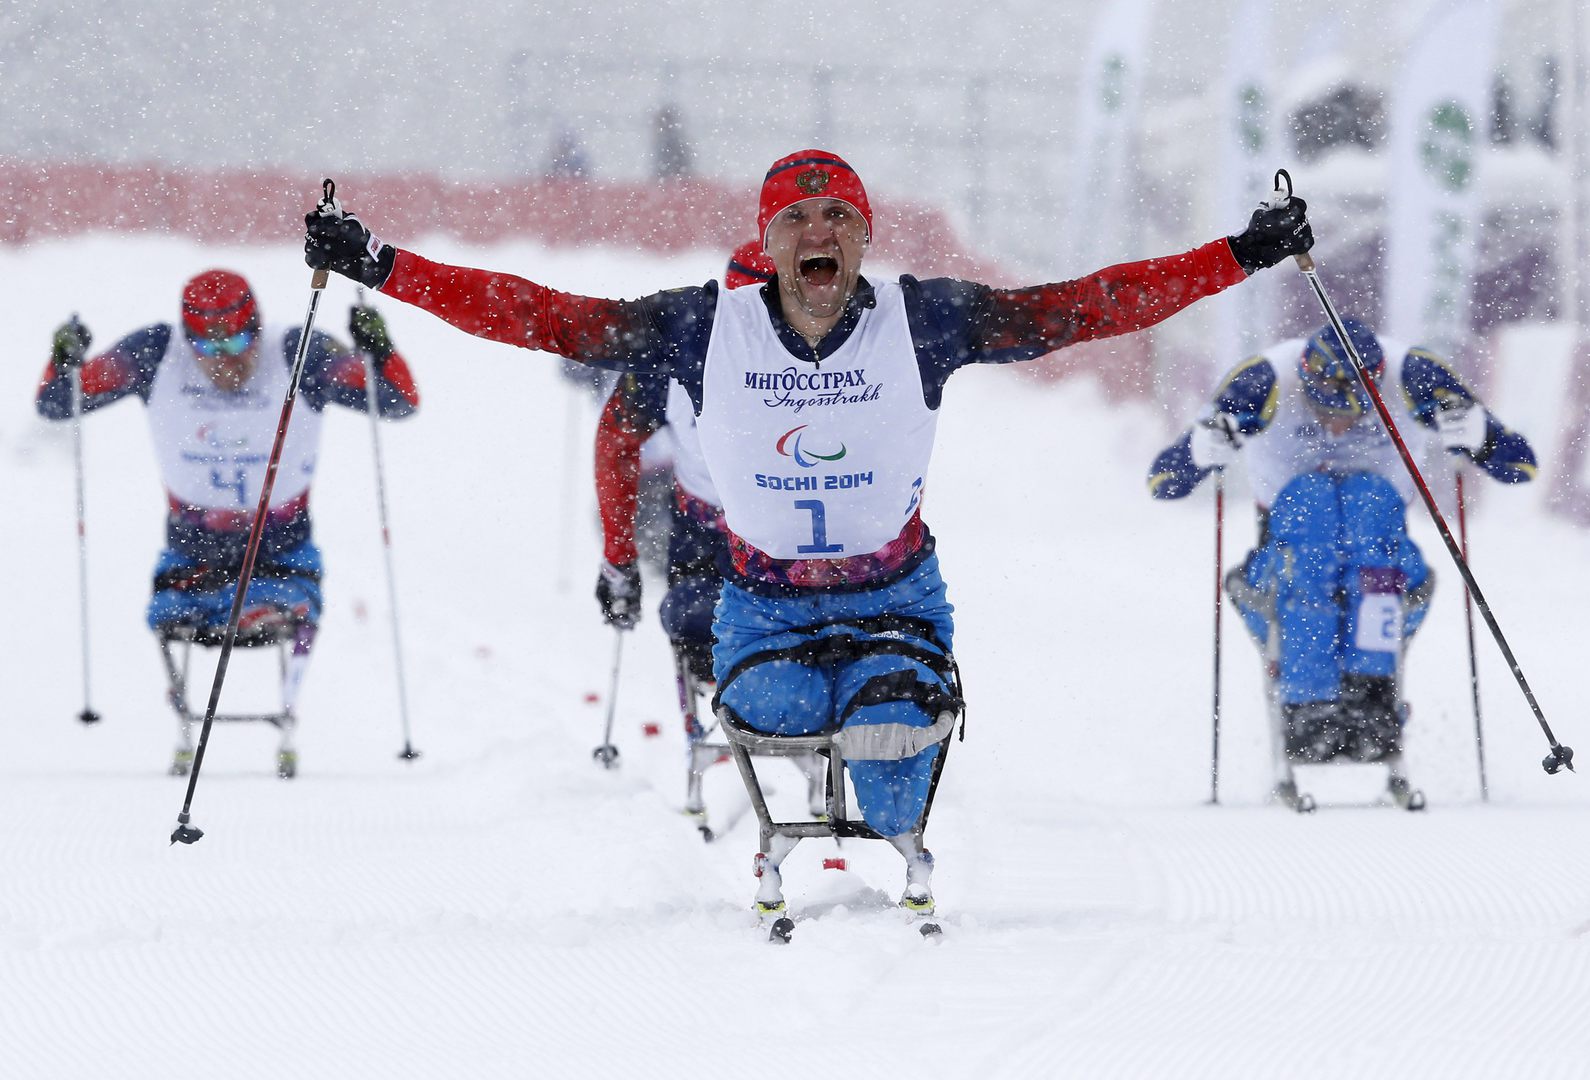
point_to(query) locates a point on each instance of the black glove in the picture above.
(336, 240)
(369, 334)
(1276, 230)
(70, 344)
(618, 591)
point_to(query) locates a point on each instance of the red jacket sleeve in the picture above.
(1116, 300)
(619, 438)
(509, 309)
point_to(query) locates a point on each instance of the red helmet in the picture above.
(749, 265)
(218, 304)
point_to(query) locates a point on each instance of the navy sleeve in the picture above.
(334, 374)
(127, 367)
(681, 325)
(1430, 385)
(1248, 394)
(941, 313)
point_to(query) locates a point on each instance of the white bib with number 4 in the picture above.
(213, 447)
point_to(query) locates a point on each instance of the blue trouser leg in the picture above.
(1380, 565)
(786, 697)
(686, 610)
(892, 793)
(1304, 564)
(210, 608)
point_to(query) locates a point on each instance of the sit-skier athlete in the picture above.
(640, 407)
(1336, 588)
(213, 386)
(816, 398)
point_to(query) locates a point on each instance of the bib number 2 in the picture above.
(1380, 623)
(819, 544)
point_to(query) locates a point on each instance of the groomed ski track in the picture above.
(505, 908)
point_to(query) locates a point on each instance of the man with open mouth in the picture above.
(816, 400)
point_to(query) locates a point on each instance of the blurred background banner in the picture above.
(1106, 177)
(1009, 142)
(1437, 122)
(1251, 148)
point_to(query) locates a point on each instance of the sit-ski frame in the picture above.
(744, 741)
(187, 719)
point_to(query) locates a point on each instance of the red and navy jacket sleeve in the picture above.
(335, 375)
(662, 334)
(955, 323)
(127, 367)
(1430, 385)
(635, 410)
(1248, 394)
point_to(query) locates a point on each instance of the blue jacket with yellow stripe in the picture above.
(1249, 396)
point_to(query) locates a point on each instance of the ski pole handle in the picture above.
(1277, 199)
(328, 206)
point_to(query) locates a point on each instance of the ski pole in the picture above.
(372, 399)
(1560, 756)
(185, 832)
(607, 753)
(1220, 531)
(1474, 670)
(88, 715)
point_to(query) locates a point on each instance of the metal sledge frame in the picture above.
(744, 741)
(177, 694)
(703, 752)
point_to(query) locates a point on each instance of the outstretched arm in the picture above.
(128, 367)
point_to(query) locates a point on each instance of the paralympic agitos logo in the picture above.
(789, 445)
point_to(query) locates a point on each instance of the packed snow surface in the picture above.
(504, 908)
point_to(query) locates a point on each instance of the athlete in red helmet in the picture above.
(213, 385)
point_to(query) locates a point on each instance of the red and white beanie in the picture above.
(810, 174)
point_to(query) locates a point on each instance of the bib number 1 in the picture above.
(819, 544)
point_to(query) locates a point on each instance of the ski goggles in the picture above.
(235, 345)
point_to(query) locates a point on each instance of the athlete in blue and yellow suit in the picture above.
(1336, 587)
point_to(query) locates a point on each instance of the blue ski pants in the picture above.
(874, 698)
(1337, 580)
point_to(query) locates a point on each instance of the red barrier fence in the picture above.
(255, 206)
(44, 201)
